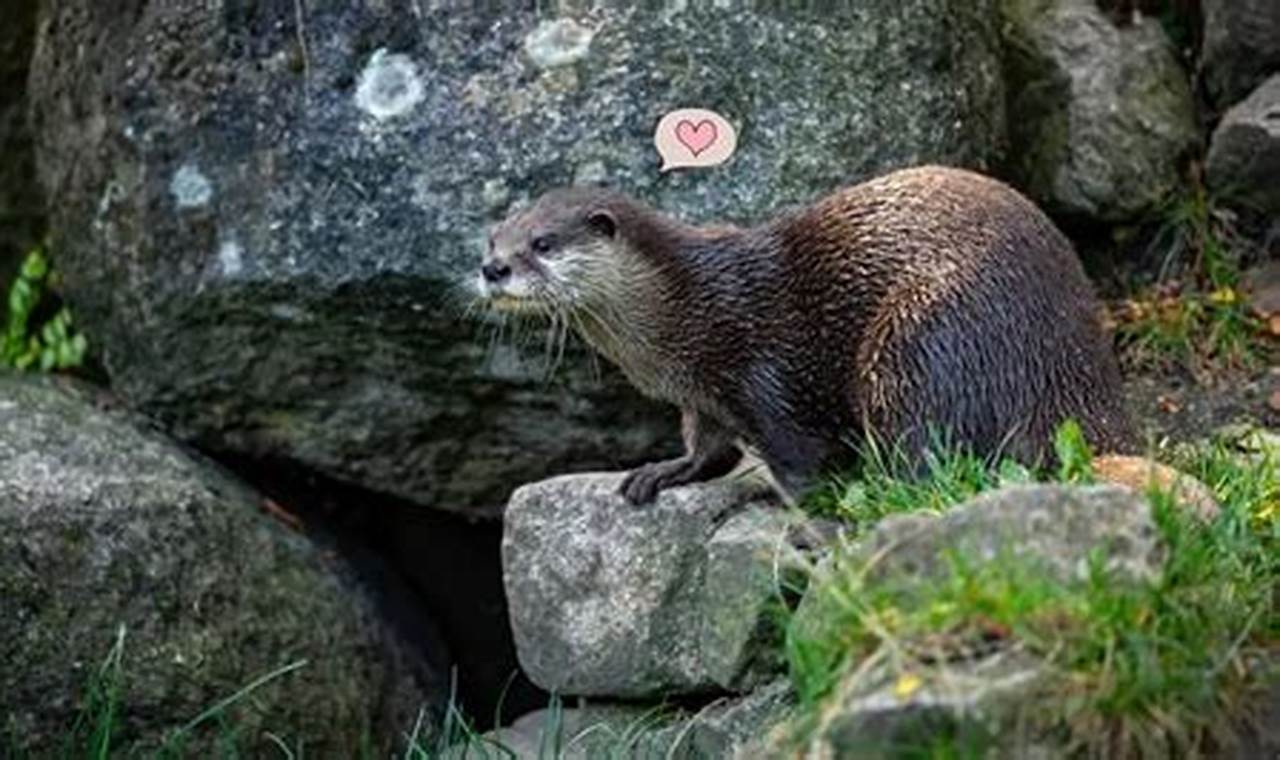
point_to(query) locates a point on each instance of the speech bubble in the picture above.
(694, 137)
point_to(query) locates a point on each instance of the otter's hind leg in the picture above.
(709, 453)
(797, 461)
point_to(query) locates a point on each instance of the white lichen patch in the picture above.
(389, 86)
(558, 43)
(230, 257)
(190, 188)
(494, 194)
(590, 173)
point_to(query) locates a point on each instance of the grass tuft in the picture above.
(1196, 316)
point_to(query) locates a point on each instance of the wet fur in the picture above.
(926, 300)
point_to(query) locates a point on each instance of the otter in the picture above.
(926, 300)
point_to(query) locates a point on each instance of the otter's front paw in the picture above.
(642, 484)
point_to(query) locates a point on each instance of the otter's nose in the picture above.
(494, 271)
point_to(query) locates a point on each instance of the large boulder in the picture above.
(1244, 155)
(1099, 115)
(267, 211)
(21, 202)
(117, 547)
(1241, 47)
(684, 596)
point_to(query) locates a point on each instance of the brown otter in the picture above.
(930, 299)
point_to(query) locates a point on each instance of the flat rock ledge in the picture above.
(681, 596)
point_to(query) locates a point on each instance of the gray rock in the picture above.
(1055, 525)
(963, 706)
(1241, 47)
(268, 225)
(1099, 116)
(724, 729)
(21, 202)
(107, 527)
(678, 597)
(1244, 155)
(979, 698)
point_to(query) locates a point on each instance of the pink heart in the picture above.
(696, 138)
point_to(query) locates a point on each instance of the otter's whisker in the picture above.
(596, 375)
(563, 339)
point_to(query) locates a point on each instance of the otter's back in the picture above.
(964, 309)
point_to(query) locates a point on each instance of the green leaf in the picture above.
(1075, 460)
(67, 355)
(35, 267)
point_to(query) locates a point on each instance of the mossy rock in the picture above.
(112, 535)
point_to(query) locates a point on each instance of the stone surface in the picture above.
(1141, 474)
(1057, 526)
(21, 202)
(961, 706)
(268, 212)
(678, 597)
(1244, 154)
(1241, 47)
(1099, 115)
(723, 730)
(108, 527)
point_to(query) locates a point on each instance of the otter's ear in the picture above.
(602, 222)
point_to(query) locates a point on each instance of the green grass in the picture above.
(1137, 669)
(96, 731)
(1196, 315)
(886, 483)
(1204, 332)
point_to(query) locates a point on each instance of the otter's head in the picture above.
(557, 256)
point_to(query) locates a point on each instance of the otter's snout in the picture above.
(495, 271)
(506, 281)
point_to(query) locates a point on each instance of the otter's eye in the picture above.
(542, 244)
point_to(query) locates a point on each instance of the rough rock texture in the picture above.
(1098, 115)
(724, 729)
(21, 202)
(1244, 155)
(960, 706)
(106, 525)
(982, 696)
(678, 597)
(1241, 47)
(266, 209)
(1055, 525)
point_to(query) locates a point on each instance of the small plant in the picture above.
(1196, 315)
(1173, 324)
(1135, 668)
(56, 345)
